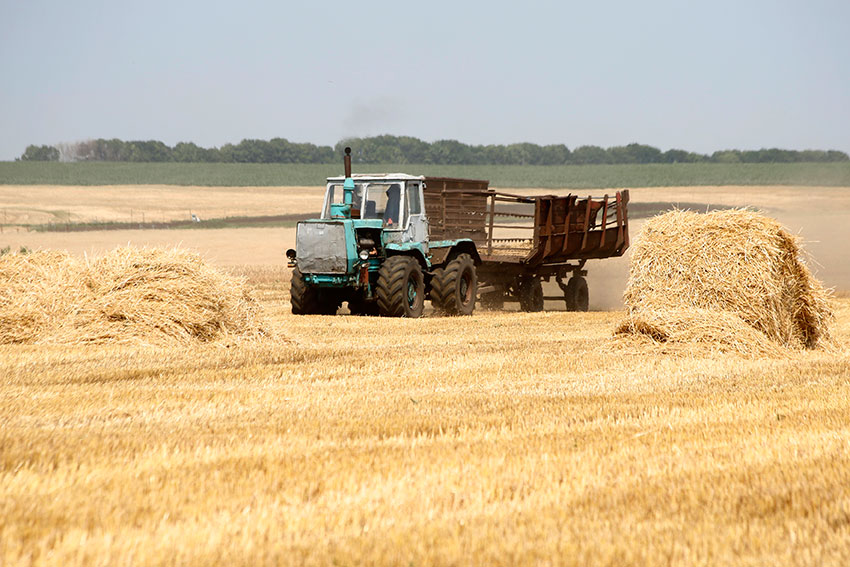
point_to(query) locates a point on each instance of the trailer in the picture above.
(523, 241)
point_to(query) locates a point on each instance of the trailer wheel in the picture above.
(304, 297)
(531, 294)
(455, 287)
(576, 294)
(400, 289)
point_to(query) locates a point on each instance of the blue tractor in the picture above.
(371, 248)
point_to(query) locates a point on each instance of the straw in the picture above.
(717, 277)
(141, 295)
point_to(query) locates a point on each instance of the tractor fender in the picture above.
(413, 249)
(444, 251)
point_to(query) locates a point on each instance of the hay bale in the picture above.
(141, 295)
(34, 292)
(732, 279)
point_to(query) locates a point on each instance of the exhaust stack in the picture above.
(348, 186)
(347, 161)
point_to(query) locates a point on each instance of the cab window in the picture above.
(383, 201)
(414, 205)
(336, 195)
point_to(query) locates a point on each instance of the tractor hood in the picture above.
(328, 246)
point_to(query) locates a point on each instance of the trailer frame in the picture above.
(564, 233)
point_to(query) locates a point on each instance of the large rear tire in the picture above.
(576, 295)
(531, 294)
(455, 287)
(400, 289)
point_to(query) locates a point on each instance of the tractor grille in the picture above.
(320, 248)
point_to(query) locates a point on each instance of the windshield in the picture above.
(383, 201)
(335, 194)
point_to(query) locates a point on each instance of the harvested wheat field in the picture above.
(145, 295)
(42, 204)
(501, 438)
(734, 280)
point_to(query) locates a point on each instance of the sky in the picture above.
(699, 76)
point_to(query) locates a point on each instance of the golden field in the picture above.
(503, 438)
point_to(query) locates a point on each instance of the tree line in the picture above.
(407, 150)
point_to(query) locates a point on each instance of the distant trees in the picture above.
(407, 150)
(775, 155)
(40, 153)
(189, 152)
(681, 156)
(590, 155)
(277, 150)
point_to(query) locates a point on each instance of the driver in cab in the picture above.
(391, 212)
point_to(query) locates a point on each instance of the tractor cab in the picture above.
(395, 199)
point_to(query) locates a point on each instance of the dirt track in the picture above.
(41, 204)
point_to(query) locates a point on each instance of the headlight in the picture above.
(364, 254)
(290, 254)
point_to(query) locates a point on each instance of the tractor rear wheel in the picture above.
(531, 294)
(400, 289)
(455, 287)
(576, 294)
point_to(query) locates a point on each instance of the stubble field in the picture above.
(501, 438)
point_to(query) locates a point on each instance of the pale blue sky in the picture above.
(697, 76)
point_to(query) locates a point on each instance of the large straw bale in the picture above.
(715, 278)
(33, 293)
(143, 295)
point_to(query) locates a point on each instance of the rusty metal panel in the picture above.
(562, 228)
(580, 229)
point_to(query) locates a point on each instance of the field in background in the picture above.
(43, 204)
(573, 176)
(23, 206)
(499, 439)
(818, 214)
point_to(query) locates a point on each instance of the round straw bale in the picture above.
(714, 277)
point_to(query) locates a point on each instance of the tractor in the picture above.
(371, 248)
(386, 242)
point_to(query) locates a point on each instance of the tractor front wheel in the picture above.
(304, 297)
(400, 290)
(309, 300)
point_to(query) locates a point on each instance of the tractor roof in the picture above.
(377, 177)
